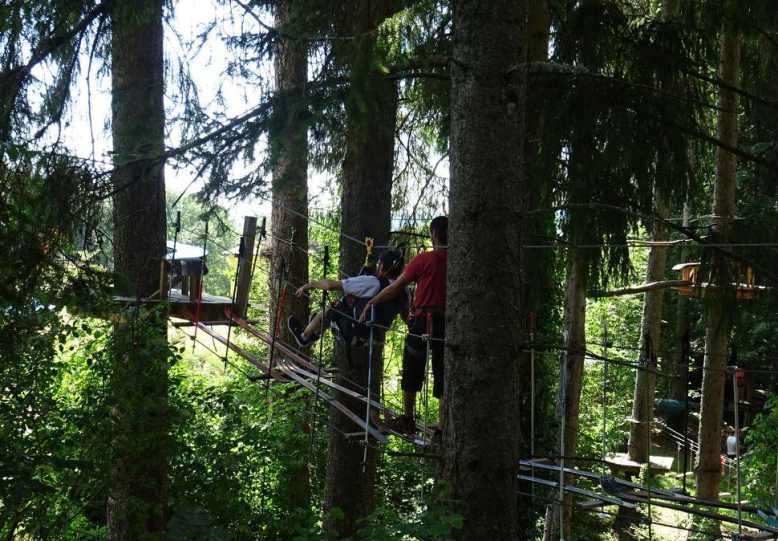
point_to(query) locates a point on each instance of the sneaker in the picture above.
(296, 328)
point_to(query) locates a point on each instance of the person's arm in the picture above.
(329, 285)
(389, 292)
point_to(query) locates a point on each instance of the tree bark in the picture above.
(488, 183)
(536, 265)
(365, 211)
(719, 312)
(639, 445)
(289, 227)
(678, 384)
(138, 493)
(572, 383)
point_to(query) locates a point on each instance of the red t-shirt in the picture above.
(428, 270)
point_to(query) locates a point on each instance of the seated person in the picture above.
(357, 291)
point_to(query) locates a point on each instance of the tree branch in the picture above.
(642, 288)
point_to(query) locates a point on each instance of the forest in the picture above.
(227, 310)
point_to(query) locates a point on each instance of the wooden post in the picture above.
(164, 284)
(194, 286)
(244, 265)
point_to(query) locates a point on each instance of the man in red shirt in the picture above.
(428, 270)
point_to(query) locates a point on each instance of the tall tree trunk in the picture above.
(536, 265)
(639, 445)
(571, 384)
(719, 311)
(678, 384)
(138, 494)
(289, 155)
(365, 211)
(488, 187)
(289, 227)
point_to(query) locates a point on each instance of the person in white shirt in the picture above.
(732, 444)
(356, 292)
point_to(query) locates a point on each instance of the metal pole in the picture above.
(650, 358)
(427, 370)
(241, 249)
(274, 324)
(776, 479)
(737, 452)
(686, 356)
(532, 394)
(175, 237)
(200, 287)
(369, 385)
(563, 402)
(605, 344)
(326, 264)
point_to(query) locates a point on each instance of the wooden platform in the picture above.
(620, 462)
(211, 307)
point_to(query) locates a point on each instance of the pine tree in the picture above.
(371, 111)
(138, 496)
(484, 304)
(719, 312)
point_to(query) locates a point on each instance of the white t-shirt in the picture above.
(731, 445)
(361, 286)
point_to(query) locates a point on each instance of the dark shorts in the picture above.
(415, 354)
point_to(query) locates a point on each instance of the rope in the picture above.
(279, 309)
(321, 345)
(241, 253)
(605, 343)
(643, 520)
(532, 391)
(369, 385)
(369, 243)
(737, 450)
(562, 452)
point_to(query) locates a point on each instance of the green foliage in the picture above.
(760, 467)
(222, 241)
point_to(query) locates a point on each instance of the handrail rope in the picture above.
(736, 400)
(369, 385)
(562, 451)
(308, 252)
(642, 520)
(216, 243)
(552, 348)
(605, 343)
(268, 198)
(216, 353)
(666, 494)
(241, 253)
(591, 356)
(323, 308)
(249, 377)
(532, 389)
(282, 286)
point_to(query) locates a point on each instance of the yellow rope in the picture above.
(369, 243)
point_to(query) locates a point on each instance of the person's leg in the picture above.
(305, 336)
(409, 404)
(437, 351)
(414, 361)
(311, 331)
